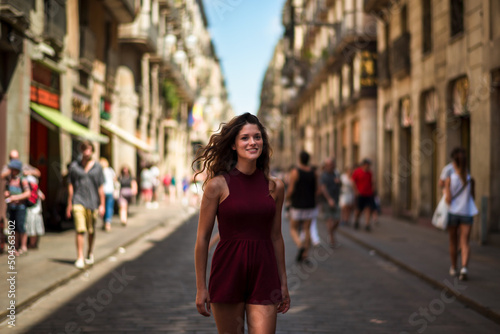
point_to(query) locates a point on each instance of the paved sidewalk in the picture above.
(423, 250)
(41, 271)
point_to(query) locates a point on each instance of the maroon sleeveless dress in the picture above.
(244, 266)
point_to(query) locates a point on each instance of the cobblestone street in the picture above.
(150, 288)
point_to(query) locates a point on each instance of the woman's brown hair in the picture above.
(218, 156)
(460, 159)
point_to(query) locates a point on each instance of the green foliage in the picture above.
(172, 98)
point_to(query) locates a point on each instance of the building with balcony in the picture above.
(438, 88)
(330, 66)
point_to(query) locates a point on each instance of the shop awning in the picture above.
(126, 136)
(67, 124)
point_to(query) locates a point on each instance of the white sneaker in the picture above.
(80, 264)
(90, 259)
(453, 271)
(463, 274)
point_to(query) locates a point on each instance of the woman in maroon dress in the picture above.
(248, 274)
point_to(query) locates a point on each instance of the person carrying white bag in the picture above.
(459, 195)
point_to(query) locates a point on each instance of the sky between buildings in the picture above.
(244, 33)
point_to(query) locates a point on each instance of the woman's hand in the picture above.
(284, 305)
(203, 302)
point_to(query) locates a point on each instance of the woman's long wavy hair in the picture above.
(218, 157)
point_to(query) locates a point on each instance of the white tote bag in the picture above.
(440, 216)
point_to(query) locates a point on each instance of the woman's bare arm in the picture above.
(209, 204)
(279, 245)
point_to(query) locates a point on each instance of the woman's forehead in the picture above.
(249, 129)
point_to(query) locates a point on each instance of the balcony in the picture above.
(16, 12)
(400, 56)
(357, 28)
(384, 74)
(87, 47)
(377, 5)
(122, 10)
(55, 23)
(141, 32)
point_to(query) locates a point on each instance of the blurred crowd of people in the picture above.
(91, 192)
(333, 196)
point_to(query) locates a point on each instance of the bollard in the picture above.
(484, 220)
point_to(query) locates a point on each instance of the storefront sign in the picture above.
(105, 109)
(368, 65)
(44, 97)
(80, 105)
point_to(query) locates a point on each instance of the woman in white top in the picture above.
(459, 194)
(346, 199)
(109, 188)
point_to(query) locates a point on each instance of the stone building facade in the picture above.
(438, 81)
(98, 70)
(329, 79)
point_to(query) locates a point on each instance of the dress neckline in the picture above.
(246, 175)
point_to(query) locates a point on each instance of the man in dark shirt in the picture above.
(85, 200)
(330, 189)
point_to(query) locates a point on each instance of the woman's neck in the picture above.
(246, 167)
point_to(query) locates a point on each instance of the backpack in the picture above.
(31, 201)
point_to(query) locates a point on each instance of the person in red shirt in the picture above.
(364, 191)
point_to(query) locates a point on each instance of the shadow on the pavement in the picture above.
(147, 294)
(63, 261)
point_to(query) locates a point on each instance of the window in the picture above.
(387, 34)
(430, 105)
(404, 19)
(457, 16)
(494, 14)
(426, 26)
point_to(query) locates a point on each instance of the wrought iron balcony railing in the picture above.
(16, 12)
(122, 10)
(55, 22)
(141, 32)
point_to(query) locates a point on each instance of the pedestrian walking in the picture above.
(35, 227)
(85, 200)
(16, 193)
(364, 191)
(26, 169)
(346, 198)
(146, 187)
(248, 275)
(330, 189)
(302, 194)
(449, 168)
(459, 194)
(155, 177)
(109, 191)
(128, 191)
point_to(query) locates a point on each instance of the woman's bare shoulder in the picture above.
(216, 184)
(276, 185)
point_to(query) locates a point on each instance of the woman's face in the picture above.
(249, 142)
